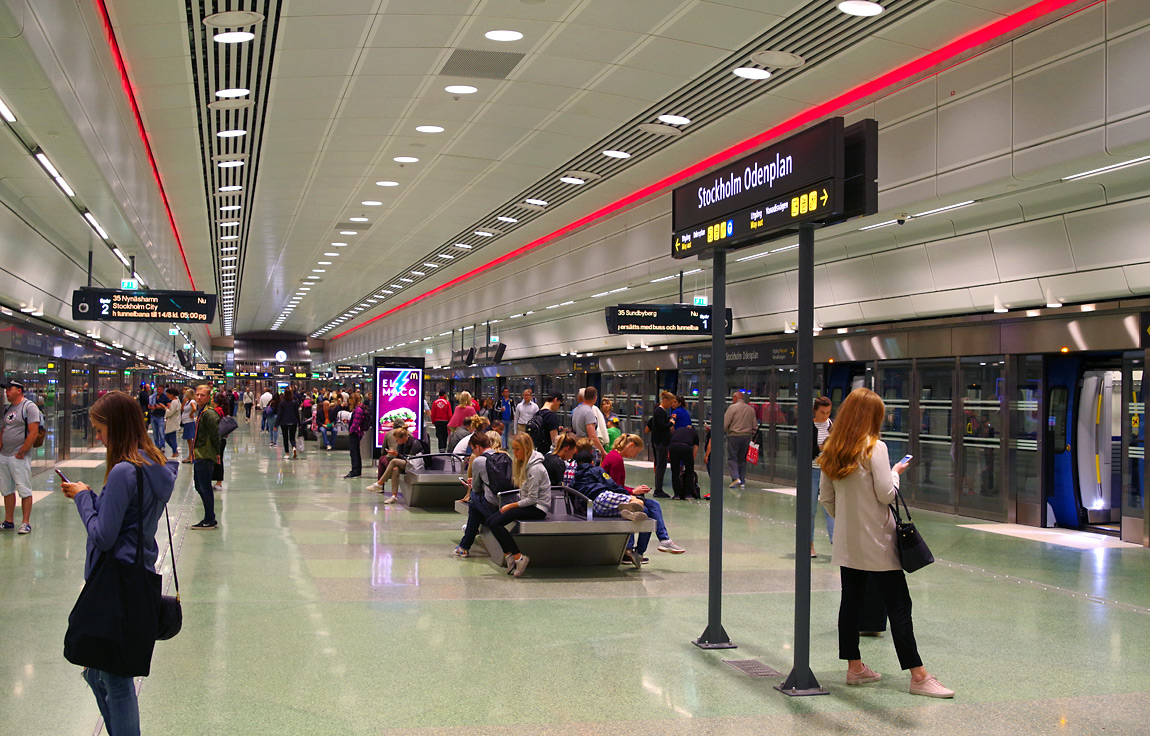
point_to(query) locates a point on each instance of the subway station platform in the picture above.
(317, 609)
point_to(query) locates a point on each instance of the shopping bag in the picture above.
(753, 453)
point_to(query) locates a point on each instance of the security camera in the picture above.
(901, 218)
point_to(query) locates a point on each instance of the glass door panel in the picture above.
(781, 414)
(935, 457)
(759, 397)
(983, 393)
(80, 398)
(893, 385)
(1134, 449)
(1024, 455)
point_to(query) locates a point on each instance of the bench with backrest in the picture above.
(432, 481)
(569, 536)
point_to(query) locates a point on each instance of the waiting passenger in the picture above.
(544, 430)
(188, 420)
(627, 447)
(559, 462)
(585, 420)
(463, 411)
(482, 503)
(682, 451)
(530, 477)
(172, 420)
(608, 498)
(857, 487)
(525, 410)
(398, 445)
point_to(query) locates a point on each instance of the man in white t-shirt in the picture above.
(525, 411)
(21, 424)
(265, 399)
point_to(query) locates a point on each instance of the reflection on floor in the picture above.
(317, 609)
(1063, 537)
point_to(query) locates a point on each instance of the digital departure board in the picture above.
(660, 319)
(116, 305)
(797, 180)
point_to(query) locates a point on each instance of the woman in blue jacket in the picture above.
(114, 524)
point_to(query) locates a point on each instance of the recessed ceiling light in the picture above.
(319, 270)
(387, 183)
(405, 159)
(371, 203)
(229, 164)
(315, 277)
(324, 263)
(357, 219)
(432, 265)
(572, 180)
(750, 72)
(778, 59)
(233, 223)
(448, 257)
(340, 245)
(506, 219)
(230, 208)
(465, 246)
(396, 286)
(418, 273)
(616, 154)
(504, 35)
(537, 202)
(229, 237)
(429, 128)
(331, 255)
(484, 234)
(660, 129)
(228, 258)
(233, 37)
(231, 133)
(232, 188)
(674, 120)
(228, 94)
(349, 232)
(863, 8)
(460, 89)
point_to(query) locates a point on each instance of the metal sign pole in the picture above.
(714, 637)
(802, 681)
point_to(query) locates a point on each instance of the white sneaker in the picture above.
(390, 499)
(287, 456)
(670, 546)
(930, 687)
(374, 487)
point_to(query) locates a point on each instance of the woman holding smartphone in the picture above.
(856, 488)
(115, 522)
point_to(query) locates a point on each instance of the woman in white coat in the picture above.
(856, 487)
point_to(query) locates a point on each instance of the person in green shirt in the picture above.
(205, 454)
(613, 431)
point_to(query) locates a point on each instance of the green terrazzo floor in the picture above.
(316, 609)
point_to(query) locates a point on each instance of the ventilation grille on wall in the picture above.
(481, 64)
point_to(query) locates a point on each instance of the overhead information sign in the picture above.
(796, 180)
(119, 305)
(662, 319)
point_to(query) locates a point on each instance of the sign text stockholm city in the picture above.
(118, 305)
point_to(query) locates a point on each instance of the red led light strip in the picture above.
(968, 42)
(126, 83)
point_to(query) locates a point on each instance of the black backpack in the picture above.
(540, 437)
(499, 472)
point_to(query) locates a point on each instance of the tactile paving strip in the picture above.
(752, 668)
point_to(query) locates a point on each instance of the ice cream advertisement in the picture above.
(398, 392)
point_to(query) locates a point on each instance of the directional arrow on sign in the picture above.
(825, 197)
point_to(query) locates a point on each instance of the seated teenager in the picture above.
(397, 447)
(627, 447)
(476, 424)
(608, 498)
(560, 460)
(481, 501)
(529, 475)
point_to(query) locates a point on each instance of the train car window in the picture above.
(837, 395)
(1057, 419)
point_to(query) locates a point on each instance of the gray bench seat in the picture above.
(565, 539)
(436, 486)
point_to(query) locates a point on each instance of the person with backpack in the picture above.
(682, 451)
(22, 422)
(397, 447)
(356, 427)
(543, 426)
(206, 452)
(530, 477)
(482, 500)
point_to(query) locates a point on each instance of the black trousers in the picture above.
(497, 525)
(218, 470)
(353, 448)
(441, 435)
(660, 465)
(892, 586)
(682, 459)
(287, 431)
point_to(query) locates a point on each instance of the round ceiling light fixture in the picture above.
(659, 129)
(750, 72)
(357, 219)
(371, 203)
(674, 120)
(233, 37)
(578, 177)
(405, 159)
(349, 232)
(460, 89)
(503, 36)
(572, 180)
(862, 8)
(231, 188)
(229, 164)
(536, 202)
(231, 133)
(778, 59)
(233, 19)
(429, 129)
(616, 154)
(227, 94)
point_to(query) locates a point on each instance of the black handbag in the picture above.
(913, 553)
(114, 623)
(171, 614)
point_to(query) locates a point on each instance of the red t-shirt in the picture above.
(613, 466)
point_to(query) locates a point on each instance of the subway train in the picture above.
(1033, 417)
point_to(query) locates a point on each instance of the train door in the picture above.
(842, 378)
(980, 470)
(935, 456)
(1027, 440)
(893, 383)
(780, 413)
(1134, 450)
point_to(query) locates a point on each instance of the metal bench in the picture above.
(566, 538)
(436, 486)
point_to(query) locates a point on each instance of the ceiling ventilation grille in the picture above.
(481, 64)
(817, 32)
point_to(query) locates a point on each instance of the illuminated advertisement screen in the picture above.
(398, 392)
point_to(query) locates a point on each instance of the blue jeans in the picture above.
(327, 436)
(202, 477)
(507, 435)
(158, 430)
(652, 508)
(274, 431)
(478, 511)
(170, 438)
(263, 421)
(116, 698)
(815, 513)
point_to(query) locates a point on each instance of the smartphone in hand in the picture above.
(62, 476)
(906, 459)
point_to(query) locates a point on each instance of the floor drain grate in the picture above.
(752, 668)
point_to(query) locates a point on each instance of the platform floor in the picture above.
(315, 609)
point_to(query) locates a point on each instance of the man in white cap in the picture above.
(21, 425)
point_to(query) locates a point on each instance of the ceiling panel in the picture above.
(600, 45)
(720, 26)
